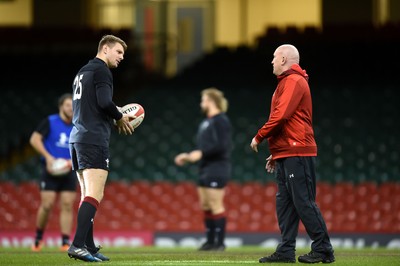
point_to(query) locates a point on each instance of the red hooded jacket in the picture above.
(289, 127)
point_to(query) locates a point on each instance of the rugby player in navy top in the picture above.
(214, 140)
(93, 116)
(50, 140)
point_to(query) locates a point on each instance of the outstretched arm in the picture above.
(190, 157)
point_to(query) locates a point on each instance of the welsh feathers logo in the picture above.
(63, 140)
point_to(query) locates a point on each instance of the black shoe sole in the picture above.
(276, 261)
(104, 259)
(330, 260)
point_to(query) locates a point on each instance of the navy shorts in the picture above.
(89, 156)
(58, 183)
(212, 182)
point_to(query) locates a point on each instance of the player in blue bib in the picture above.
(51, 140)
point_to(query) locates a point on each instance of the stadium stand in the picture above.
(355, 119)
(167, 206)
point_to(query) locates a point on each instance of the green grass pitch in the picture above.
(188, 256)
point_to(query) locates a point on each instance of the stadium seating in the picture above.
(357, 142)
(350, 147)
(166, 206)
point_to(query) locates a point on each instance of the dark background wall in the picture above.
(60, 13)
(342, 12)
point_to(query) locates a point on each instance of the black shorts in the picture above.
(212, 182)
(58, 183)
(89, 156)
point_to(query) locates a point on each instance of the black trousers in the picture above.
(295, 201)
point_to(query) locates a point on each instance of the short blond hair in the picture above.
(110, 41)
(217, 97)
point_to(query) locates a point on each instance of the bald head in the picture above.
(284, 57)
(290, 53)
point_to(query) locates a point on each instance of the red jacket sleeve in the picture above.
(286, 98)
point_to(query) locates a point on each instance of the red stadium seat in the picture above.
(365, 190)
(342, 189)
(269, 208)
(323, 188)
(325, 200)
(164, 206)
(270, 190)
(29, 187)
(233, 188)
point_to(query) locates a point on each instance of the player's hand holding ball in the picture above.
(60, 166)
(124, 126)
(133, 115)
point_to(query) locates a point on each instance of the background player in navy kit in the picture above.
(50, 139)
(214, 140)
(94, 112)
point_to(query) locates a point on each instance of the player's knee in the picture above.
(47, 207)
(204, 206)
(98, 196)
(216, 207)
(101, 196)
(67, 206)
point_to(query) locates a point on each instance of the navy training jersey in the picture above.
(55, 134)
(92, 104)
(214, 139)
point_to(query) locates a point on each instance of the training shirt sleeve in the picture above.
(103, 83)
(287, 98)
(104, 101)
(44, 127)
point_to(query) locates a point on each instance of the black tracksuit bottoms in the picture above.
(295, 201)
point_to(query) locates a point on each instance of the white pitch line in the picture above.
(188, 262)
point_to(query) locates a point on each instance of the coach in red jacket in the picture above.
(293, 150)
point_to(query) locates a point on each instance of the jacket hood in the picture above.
(294, 69)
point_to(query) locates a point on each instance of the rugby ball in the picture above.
(135, 112)
(60, 166)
